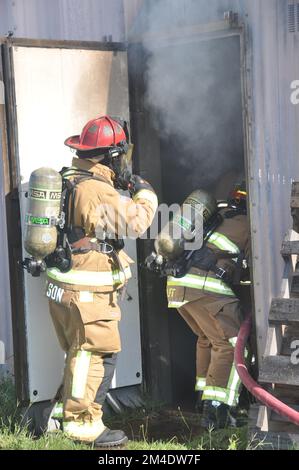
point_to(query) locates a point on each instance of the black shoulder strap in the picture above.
(230, 214)
(69, 192)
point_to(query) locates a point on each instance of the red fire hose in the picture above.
(254, 388)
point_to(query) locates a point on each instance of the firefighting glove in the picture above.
(137, 184)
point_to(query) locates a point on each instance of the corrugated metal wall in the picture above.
(272, 64)
(88, 20)
(274, 161)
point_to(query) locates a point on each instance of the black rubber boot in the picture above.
(215, 415)
(199, 402)
(110, 438)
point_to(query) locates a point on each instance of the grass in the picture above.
(139, 425)
(20, 439)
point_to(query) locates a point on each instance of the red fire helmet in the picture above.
(102, 133)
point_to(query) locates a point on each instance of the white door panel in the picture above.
(57, 92)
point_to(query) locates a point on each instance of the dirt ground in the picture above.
(164, 425)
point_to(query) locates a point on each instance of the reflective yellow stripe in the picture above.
(200, 383)
(80, 374)
(234, 381)
(233, 341)
(201, 282)
(230, 394)
(223, 243)
(233, 387)
(84, 431)
(90, 278)
(215, 393)
(148, 196)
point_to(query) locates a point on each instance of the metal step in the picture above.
(279, 370)
(284, 312)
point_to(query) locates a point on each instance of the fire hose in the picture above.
(253, 387)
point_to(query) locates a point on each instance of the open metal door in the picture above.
(56, 89)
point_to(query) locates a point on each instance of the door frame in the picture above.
(12, 177)
(157, 373)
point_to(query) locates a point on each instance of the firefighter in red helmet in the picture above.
(86, 312)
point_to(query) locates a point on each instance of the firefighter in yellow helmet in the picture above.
(83, 300)
(205, 297)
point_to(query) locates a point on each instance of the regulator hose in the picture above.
(253, 387)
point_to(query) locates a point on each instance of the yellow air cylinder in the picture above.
(44, 197)
(196, 210)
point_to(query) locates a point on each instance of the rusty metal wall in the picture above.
(88, 20)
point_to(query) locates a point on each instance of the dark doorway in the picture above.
(198, 143)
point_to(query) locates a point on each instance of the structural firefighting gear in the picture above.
(91, 341)
(83, 300)
(42, 217)
(206, 299)
(102, 138)
(216, 323)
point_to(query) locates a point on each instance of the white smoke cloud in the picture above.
(194, 90)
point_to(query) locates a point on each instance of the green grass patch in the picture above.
(149, 428)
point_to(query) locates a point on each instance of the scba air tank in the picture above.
(195, 212)
(44, 198)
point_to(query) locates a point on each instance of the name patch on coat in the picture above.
(54, 292)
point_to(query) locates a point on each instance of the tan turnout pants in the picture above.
(87, 329)
(216, 322)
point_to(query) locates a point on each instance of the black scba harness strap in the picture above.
(68, 233)
(207, 259)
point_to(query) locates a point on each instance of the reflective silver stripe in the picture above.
(217, 393)
(57, 411)
(80, 373)
(148, 196)
(85, 431)
(200, 282)
(234, 381)
(223, 243)
(233, 387)
(233, 341)
(90, 278)
(200, 383)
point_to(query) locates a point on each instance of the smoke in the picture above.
(193, 90)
